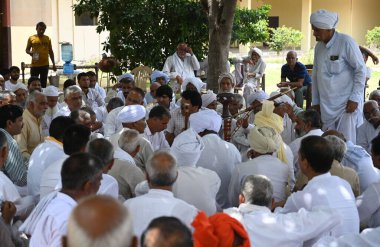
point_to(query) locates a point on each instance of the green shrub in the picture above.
(373, 37)
(284, 37)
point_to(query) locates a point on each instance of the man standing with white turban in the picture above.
(218, 155)
(338, 76)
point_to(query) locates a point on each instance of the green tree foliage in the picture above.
(285, 37)
(373, 37)
(148, 31)
(251, 25)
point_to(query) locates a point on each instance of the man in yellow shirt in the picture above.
(39, 48)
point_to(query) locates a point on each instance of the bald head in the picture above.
(100, 221)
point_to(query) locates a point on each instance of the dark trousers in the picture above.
(40, 72)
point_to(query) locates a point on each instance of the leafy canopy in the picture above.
(148, 31)
(373, 37)
(285, 37)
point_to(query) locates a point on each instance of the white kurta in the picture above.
(157, 203)
(329, 191)
(365, 133)
(251, 83)
(338, 76)
(175, 66)
(221, 157)
(293, 229)
(47, 118)
(359, 160)
(53, 223)
(267, 165)
(111, 125)
(109, 186)
(44, 155)
(8, 191)
(157, 139)
(197, 186)
(296, 144)
(51, 177)
(368, 205)
(367, 238)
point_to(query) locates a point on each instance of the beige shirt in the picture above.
(127, 175)
(338, 170)
(31, 134)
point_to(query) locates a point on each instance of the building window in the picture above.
(85, 20)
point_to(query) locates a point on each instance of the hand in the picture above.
(351, 106)
(189, 50)
(116, 86)
(375, 60)
(8, 210)
(250, 75)
(179, 80)
(54, 68)
(282, 84)
(317, 108)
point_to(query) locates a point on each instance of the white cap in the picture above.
(51, 91)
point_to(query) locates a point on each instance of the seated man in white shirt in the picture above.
(112, 125)
(315, 159)
(81, 176)
(124, 169)
(95, 85)
(75, 139)
(133, 117)
(159, 201)
(47, 153)
(157, 122)
(103, 149)
(102, 112)
(370, 127)
(122, 88)
(73, 100)
(270, 229)
(195, 185)
(308, 123)
(90, 96)
(218, 155)
(368, 203)
(360, 160)
(264, 141)
(87, 226)
(52, 94)
(13, 80)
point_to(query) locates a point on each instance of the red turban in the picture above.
(218, 230)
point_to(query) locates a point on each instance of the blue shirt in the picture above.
(299, 72)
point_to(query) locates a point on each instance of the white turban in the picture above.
(198, 84)
(208, 98)
(324, 19)
(282, 99)
(264, 140)
(126, 75)
(131, 114)
(227, 75)
(156, 74)
(19, 86)
(205, 120)
(259, 95)
(256, 50)
(51, 91)
(187, 148)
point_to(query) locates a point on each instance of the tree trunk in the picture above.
(220, 17)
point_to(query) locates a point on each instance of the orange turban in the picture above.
(218, 230)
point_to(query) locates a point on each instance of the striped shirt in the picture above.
(16, 167)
